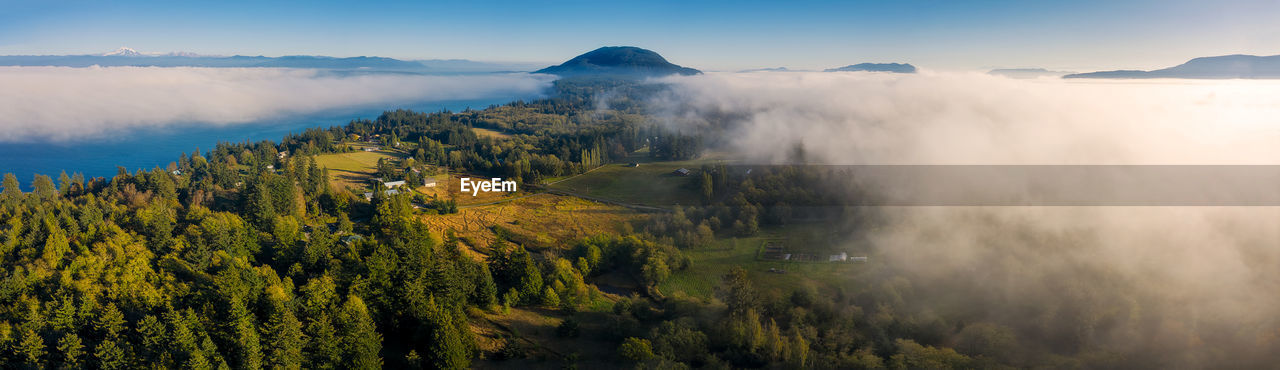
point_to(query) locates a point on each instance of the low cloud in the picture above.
(41, 103)
(941, 118)
(1112, 287)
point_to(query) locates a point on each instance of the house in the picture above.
(271, 167)
(681, 172)
(350, 239)
(368, 149)
(283, 154)
(429, 182)
(393, 184)
(838, 257)
(177, 172)
(369, 196)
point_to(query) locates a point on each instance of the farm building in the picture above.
(393, 184)
(839, 257)
(681, 172)
(429, 182)
(858, 259)
(369, 196)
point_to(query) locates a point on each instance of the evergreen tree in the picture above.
(285, 340)
(248, 348)
(323, 351)
(44, 188)
(12, 190)
(72, 350)
(31, 349)
(361, 341)
(447, 347)
(109, 354)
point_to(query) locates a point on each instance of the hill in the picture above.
(619, 61)
(876, 67)
(1219, 67)
(1025, 72)
(125, 57)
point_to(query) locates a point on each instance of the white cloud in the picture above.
(940, 118)
(1156, 286)
(71, 103)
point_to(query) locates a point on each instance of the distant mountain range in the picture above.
(132, 58)
(1219, 67)
(876, 67)
(623, 61)
(1026, 72)
(774, 69)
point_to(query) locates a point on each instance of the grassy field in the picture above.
(353, 170)
(449, 187)
(546, 219)
(712, 262)
(484, 132)
(651, 184)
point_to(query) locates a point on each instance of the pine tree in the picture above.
(360, 339)
(44, 188)
(447, 348)
(72, 349)
(284, 338)
(12, 190)
(110, 322)
(110, 356)
(323, 350)
(31, 349)
(248, 353)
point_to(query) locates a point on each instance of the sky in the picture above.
(710, 35)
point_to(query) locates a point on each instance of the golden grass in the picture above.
(551, 220)
(484, 132)
(353, 170)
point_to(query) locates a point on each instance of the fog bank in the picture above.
(1109, 287)
(941, 118)
(58, 103)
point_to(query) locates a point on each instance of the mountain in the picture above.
(876, 67)
(1219, 67)
(618, 61)
(309, 61)
(463, 65)
(126, 57)
(774, 69)
(123, 52)
(1026, 72)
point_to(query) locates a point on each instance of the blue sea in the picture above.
(151, 147)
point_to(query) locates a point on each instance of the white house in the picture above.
(429, 182)
(393, 184)
(283, 154)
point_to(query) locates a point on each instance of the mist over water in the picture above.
(1114, 287)
(90, 120)
(63, 104)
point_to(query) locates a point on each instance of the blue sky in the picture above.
(712, 35)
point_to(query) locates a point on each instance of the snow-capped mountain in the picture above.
(123, 52)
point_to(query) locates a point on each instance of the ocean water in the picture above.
(151, 147)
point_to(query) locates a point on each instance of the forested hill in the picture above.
(618, 61)
(242, 257)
